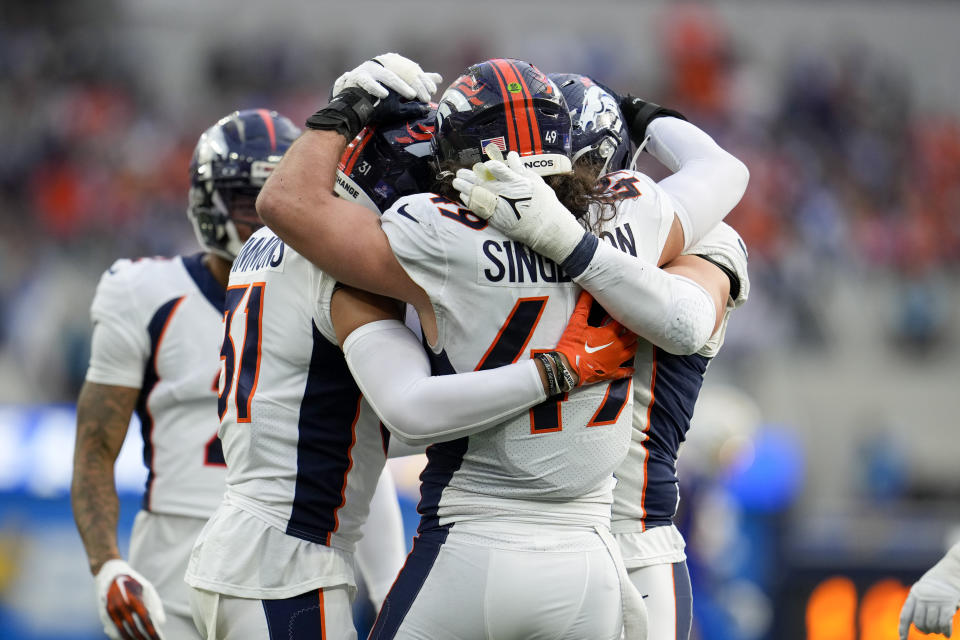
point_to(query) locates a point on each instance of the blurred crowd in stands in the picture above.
(847, 174)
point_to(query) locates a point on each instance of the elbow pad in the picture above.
(690, 316)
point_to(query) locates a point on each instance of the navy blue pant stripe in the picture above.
(413, 575)
(294, 618)
(684, 600)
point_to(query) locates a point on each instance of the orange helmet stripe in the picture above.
(520, 110)
(512, 128)
(534, 127)
(351, 156)
(268, 122)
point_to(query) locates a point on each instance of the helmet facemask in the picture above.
(223, 219)
(600, 137)
(231, 162)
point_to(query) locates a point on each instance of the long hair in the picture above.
(578, 191)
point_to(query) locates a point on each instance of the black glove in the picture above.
(639, 114)
(353, 109)
(396, 108)
(346, 114)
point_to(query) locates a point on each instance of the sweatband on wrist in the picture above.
(563, 373)
(553, 387)
(347, 114)
(578, 260)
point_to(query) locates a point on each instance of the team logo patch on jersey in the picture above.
(499, 142)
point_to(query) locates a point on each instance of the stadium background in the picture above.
(821, 479)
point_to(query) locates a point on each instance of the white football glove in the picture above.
(390, 71)
(129, 606)
(520, 204)
(934, 598)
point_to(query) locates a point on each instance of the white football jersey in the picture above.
(303, 450)
(496, 301)
(157, 327)
(666, 388)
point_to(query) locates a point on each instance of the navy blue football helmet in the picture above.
(231, 161)
(385, 162)
(600, 136)
(508, 103)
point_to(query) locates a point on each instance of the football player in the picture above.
(511, 105)
(696, 160)
(599, 138)
(155, 351)
(667, 379)
(304, 447)
(934, 598)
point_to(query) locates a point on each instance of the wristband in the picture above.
(553, 387)
(640, 113)
(347, 114)
(563, 373)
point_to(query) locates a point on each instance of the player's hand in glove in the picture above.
(934, 598)
(587, 354)
(521, 205)
(638, 115)
(390, 71)
(130, 608)
(389, 88)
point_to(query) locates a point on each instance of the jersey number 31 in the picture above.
(241, 368)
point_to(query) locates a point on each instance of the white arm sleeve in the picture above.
(671, 311)
(382, 549)
(707, 181)
(393, 372)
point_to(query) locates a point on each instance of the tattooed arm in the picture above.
(103, 415)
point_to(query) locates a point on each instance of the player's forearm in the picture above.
(294, 199)
(103, 415)
(707, 181)
(96, 508)
(394, 374)
(341, 238)
(671, 311)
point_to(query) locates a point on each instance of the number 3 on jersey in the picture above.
(240, 378)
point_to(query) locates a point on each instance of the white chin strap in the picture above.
(636, 156)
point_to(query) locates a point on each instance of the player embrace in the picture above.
(523, 509)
